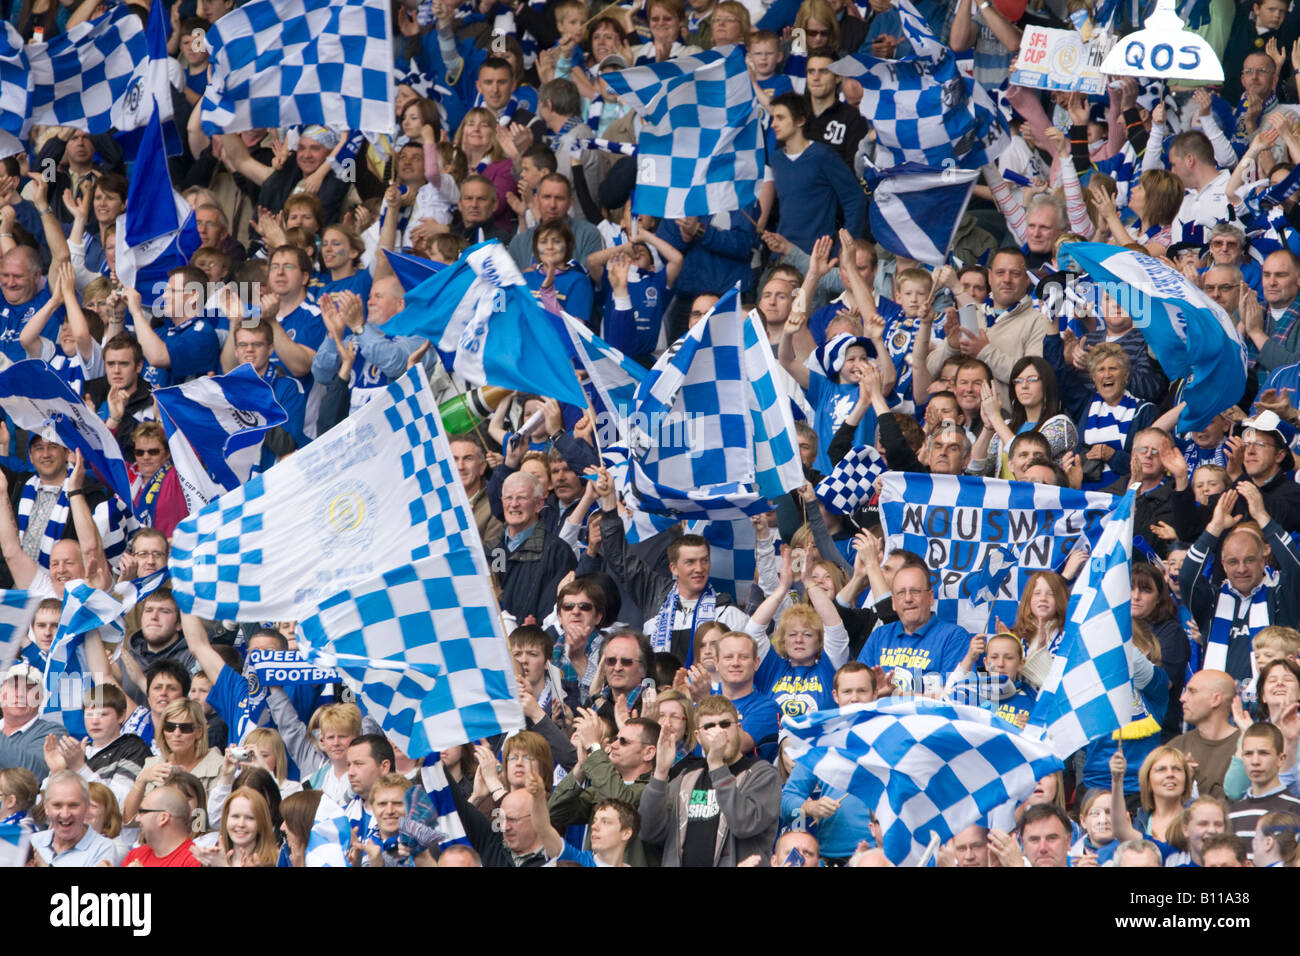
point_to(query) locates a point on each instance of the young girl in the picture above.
(340, 251)
(556, 280)
(1095, 815)
(247, 837)
(1040, 621)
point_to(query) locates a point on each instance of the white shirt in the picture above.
(1203, 207)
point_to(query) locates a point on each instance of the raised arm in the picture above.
(98, 573)
(154, 348)
(196, 639)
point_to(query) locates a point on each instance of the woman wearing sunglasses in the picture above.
(184, 746)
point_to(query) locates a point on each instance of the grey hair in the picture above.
(1056, 202)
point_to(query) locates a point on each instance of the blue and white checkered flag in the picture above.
(612, 380)
(15, 83)
(700, 144)
(915, 210)
(712, 437)
(133, 592)
(330, 837)
(215, 427)
(731, 554)
(375, 492)
(67, 677)
(924, 110)
(17, 608)
(851, 483)
(1088, 693)
(423, 649)
(281, 63)
(81, 78)
(437, 811)
(148, 90)
(923, 766)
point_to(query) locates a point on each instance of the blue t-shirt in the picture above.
(760, 719)
(937, 647)
(635, 332)
(240, 701)
(837, 834)
(831, 405)
(194, 350)
(572, 289)
(305, 326)
(14, 317)
(358, 282)
(796, 690)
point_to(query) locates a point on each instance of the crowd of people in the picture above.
(653, 701)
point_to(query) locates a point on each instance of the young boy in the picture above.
(1275, 643)
(764, 62)
(1261, 752)
(113, 758)
(537, 163)
(912, 287)
(193, 58)
(45, 625)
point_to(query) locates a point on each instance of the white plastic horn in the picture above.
(1165, 49)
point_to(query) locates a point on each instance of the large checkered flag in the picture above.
(15, 90)
(712, 436)
(700, 144)
(423, 649)
(17, 608)
(1088, 693)
(923, 109)
(373, 493)
(280, 63)
(81, 78)
(851, 483)
(925, 767)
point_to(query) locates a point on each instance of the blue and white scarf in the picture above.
(705, 609)
(507, 114)
(1109, 426)
(1233, 611)
(53, 527)
(1241, 137)
(1197, 456)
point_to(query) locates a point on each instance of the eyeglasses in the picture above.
(911, 592)
(151, 452)
(172, 727)
(1256, 443)
(620, 661)
(516, 499)
(720, 725)
(624, 742)
(1145, 450)
(1026, 380)
(817, 33)
(583, 606)
(150, 554)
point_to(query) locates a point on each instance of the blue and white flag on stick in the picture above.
(40, 401)
(956, 523)
(330, 837)
(926, 768)
(436, 812)
(700, 144)
(15, 88)
(712, 437)
(81, 78)
(375, 492)
(215, 427)
(1190, 334)
(488, 328)
(422, 647)
(923, 109)
(149, 89)
(1088, 693)
(852, 482)
(915, 210)
(17, 608)
(157, 232)
(612, 380)
(281, 63)
(67, 677)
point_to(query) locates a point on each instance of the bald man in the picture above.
(1207, 705)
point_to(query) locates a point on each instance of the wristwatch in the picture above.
(592, 748)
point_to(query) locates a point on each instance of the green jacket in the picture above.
(573, 803)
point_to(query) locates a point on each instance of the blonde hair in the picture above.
(106, 798)
(1144, 775)
(803, 614)
(270, 737)
(1284, 639)
(914, 275)
(184, 710)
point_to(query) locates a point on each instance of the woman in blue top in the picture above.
(556, 280)
(1165, 779)
(809, 645)
(93, 214)
(340, 251)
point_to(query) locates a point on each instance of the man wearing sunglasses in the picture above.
(718, 810)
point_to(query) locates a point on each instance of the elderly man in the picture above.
(528, 560)
(920, 649)
(310, 162)
(23, 729)
(379, 358)
(164, 817)
(20, 270)
(70, 841)
(1018, 330)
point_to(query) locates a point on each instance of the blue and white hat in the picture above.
(829, 358)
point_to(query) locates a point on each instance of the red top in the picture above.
(181, 856)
